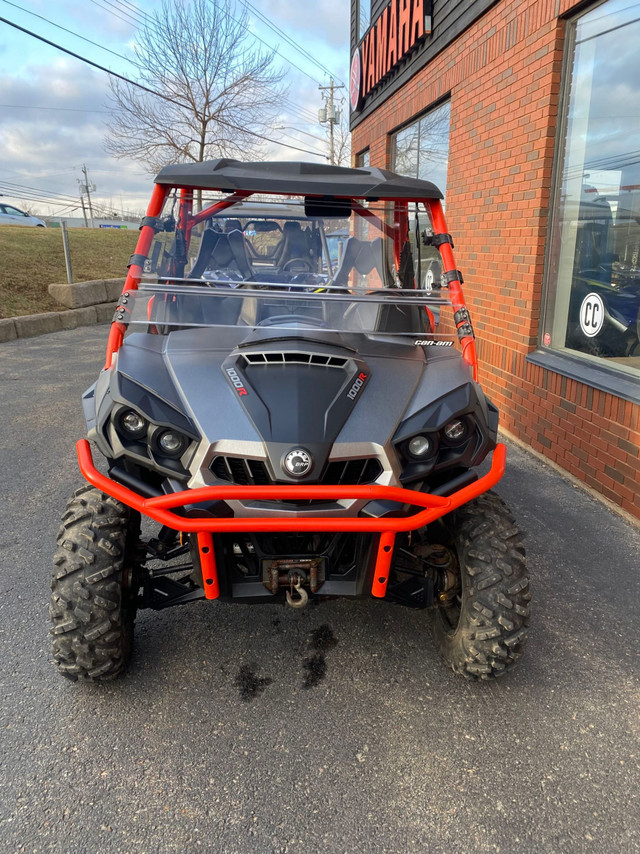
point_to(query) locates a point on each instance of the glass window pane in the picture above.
(434, 147)
(594, 269)
(406, 150)
(422, 149)
(364, 17)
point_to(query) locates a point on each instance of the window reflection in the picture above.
(364, 17)
(422, 148)
(595, 245)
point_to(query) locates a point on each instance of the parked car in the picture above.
(14, 216)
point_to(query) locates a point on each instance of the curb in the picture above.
(30, 325)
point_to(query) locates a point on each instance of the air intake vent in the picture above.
(241, 471)
(352, 472)
(342, 472)
(286, 358)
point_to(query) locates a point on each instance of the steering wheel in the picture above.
(287, 320)
(301, 264)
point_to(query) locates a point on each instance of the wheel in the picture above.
(93, 601)
(481, 620)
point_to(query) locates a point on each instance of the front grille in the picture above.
(243, 472)
(352, 472)
(288, 358)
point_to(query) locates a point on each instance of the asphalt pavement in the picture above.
(221, 739)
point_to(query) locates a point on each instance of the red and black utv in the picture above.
(289, 409)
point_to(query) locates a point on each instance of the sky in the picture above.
(54, 108)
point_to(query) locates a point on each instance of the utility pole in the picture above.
(330, 115)
(87, 188)
(84, 211)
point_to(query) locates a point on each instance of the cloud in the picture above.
(45, 148)
(323, 21)
(38, 143)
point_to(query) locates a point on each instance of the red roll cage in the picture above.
(430, 507)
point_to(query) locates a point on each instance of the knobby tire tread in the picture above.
(494, 612)
(92, 614)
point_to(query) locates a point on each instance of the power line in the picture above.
(55, 109)
(19, 191)
(64, 29)
(291, 41)
(84, 59)
(146, 88)
(115, 15)
(7, 185)
(139, 16)
(142, 18)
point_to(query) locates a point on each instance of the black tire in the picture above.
(481, 629)
(93, 602)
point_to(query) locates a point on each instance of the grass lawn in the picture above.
(32, 258)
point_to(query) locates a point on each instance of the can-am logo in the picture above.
(429, 343)
(355, 388)
(237, 382)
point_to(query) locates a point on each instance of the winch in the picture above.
(294, 574)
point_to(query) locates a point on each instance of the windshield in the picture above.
(337, 265)
(165, 308)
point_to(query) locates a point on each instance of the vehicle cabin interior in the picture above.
(276, 250)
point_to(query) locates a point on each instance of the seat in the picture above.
(294, 244)
(222, 252)
(208, 241)
(363, 256)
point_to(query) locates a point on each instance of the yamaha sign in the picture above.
(402, 25)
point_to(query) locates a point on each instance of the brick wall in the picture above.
(503, 77)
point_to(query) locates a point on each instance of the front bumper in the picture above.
(161, 508)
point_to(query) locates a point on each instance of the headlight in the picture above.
(455, 431)
(133, 424)
(171, 443)
(419, 446)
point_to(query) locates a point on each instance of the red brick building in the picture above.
(526, 113)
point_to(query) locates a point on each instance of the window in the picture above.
(363, 159)
(593, 270)
(422, 149)
(364, 17)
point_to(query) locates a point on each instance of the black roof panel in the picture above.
(295, 178)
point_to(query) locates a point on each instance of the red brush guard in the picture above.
(160, 509)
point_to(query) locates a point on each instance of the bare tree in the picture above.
(223, 94)
(342, 140)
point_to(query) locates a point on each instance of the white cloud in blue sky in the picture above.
(45, 148)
